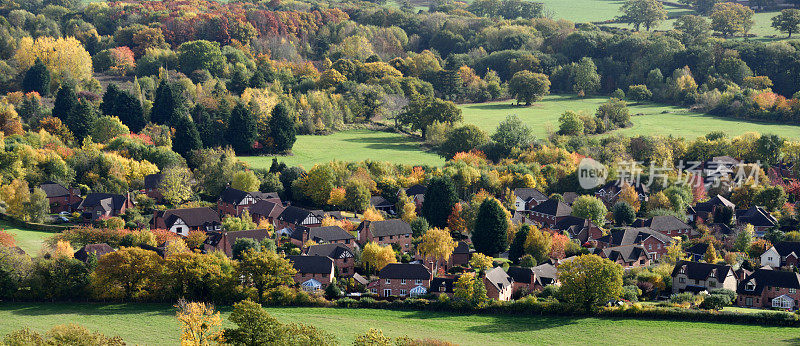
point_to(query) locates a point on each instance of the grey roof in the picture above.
(701, 271)
(528, 193)
(52, 189)
(631, 235)
(294, 215)
(461, 248)
(521, 274)
(553, 207)
(546, 274)
(447, 283)
(334, 251)
(628, 253)
(416, 190)
(715, 201)
(107, 201)
(785, 248)
(498, 278)
(756, 216)
(662, 223)
(360, 279)
(232, 196)
(329, 234)
(312, 264)
(267, 208)
(387, 228)
(193, 217)
(569, 197)
(764, 277)
(411, 271)
(97, 249)
(697, 249)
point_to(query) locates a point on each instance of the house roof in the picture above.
(764, 277)
(546, 274)
(380, 202)
(632, 235)
(701, 271)
(529, 193)
(785, 248)
(270, 196)
(498, 278)
(360, 279)
(715, 201)
(416, 190)
(193, 217)
(328, 234)
(107, 201)
(569, 197)
(386, 228)
(573, 225)
(756, 216)
(151, 181)
(97, 249)
(553, 207)
(294, 215)
(521, 274)
(697, 249)
(413, 271)
(461, 248)
(312, 264)
(52, 189)
(627, 253)
(214, 238)
(334, 251)
(267, 208)
(662, 223)
(447, 283)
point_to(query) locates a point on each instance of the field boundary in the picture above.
(33, 226)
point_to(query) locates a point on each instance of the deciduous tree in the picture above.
(589, 281)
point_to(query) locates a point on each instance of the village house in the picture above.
(441, 285)
(527, 198)
(550, 212)
(183, 221)
(609, 192)
(667, 225)
(322, 235)
(151, 186)
(697, 251)
(417, 194)
(314, 273)
(706, 210)
(402, 280)
(768, 288)
(578, 229)
(761, 219)
(783, 254)
(460, 257)
(697, 277)
(499, 285)
(523, 279)
(654, 242)
(223, 241)
(98, 250)
(342, 256)
(292, 217)
(61, 198)
(381, 204)
(102, 206)
(385, 232)
(234, 202)
(268, 210)
(544, 274)
(628, 256)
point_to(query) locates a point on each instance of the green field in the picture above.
(29, 240)
(353, 145)
(154, 324)
(652, 119)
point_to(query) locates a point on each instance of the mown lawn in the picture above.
(648, 118)
(353, 145)
(154, 324)
(29, 240)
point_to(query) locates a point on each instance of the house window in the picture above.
(374, 291)
(792, 290)
(418, 282)
(682, 280)
(380, 238)
(387, 292)
(649, 246)
(749, 301)
(442, 288)
(388, 281)
(769, 258)
(403, 281)
(712, 284)
(403, 292)
(750, 286)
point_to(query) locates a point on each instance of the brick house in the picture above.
(223, 241)
(342, 256)
(578, 229)
(653, 242)
(609, 192)
(266, 210)
(667, 225)
(382, 204)
(234, 202)
(417, 194)
(628, 256)
(293, 217)
(550, 212)
(97, 249)
(767, 288)
(523, 279)
(499, 285)
(151, 189)
(527, 198)
(314, 273)
(182, 221)
(60, 197)
(761, 219)
(783, 254)
(697, 277)
(385, 232)
(402, 280)
(102, 206)
(705, 210)
(322, 235)
(460, 257)
(443, 285)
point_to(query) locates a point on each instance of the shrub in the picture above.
(682, 298)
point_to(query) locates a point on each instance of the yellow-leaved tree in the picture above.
(376, 257)
(437, 244)
(64, 57)
(200, 323)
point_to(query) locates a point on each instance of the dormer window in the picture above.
(750, 286)
(683, 269)
(711, 275)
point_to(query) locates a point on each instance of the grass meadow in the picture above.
(154, 324)
(648, 118)
(29, 240)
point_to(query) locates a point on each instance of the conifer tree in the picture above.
(187, 139)
(66, 100)
(242, 131)
(440, 198)
(281, 127)
(37, 79)
(81, 119)
(491, 226)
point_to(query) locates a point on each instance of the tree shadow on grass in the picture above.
(494, 106)
(399, 143)
(502, 323)
(97, 309)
